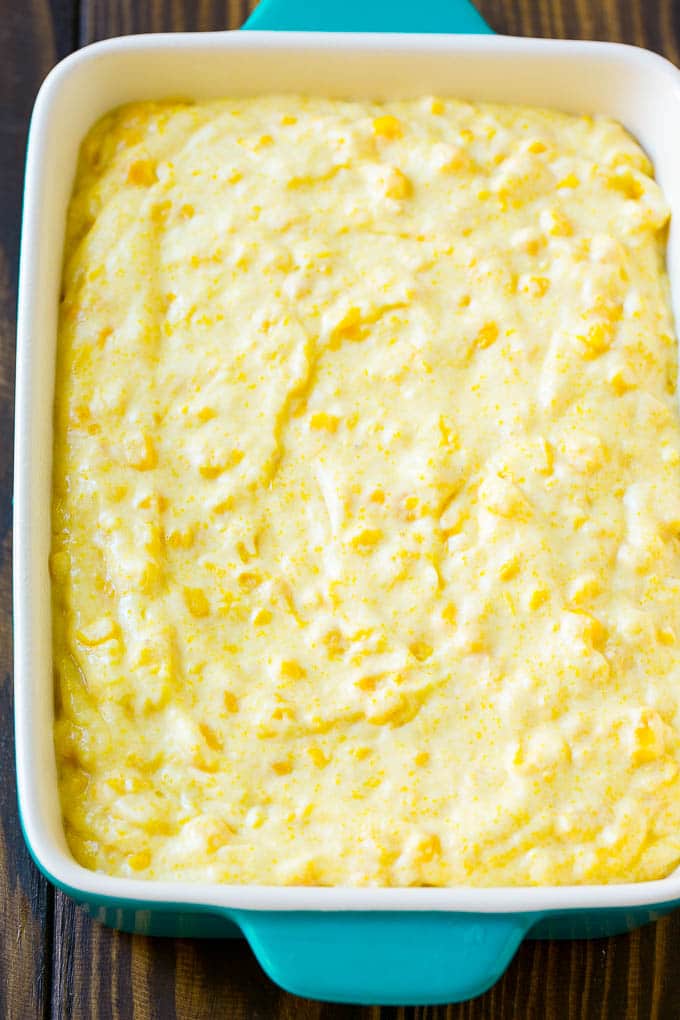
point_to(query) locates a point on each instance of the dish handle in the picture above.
(457, 17)
(385, 957)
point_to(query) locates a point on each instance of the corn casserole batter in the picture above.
(366, 518)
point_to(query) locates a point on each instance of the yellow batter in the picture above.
(367, 498)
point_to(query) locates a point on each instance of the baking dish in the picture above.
(356, 945)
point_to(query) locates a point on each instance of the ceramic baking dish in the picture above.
(355, 945)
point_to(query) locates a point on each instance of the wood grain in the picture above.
(32, 38)
(54, 961)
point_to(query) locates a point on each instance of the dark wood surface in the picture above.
(54, 961)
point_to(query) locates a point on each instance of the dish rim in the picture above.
(44, 845)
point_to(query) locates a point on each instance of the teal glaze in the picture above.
(376, 958)
(388, 959)
(451, 16)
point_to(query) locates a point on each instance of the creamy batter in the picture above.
(367, 498)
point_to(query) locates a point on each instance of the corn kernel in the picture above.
(140, 452)
(597, 340)
(230, 702)
(213, 468)
(292, 670)
(487, 335)
(509, 569)
(318, 757)
(196, 602)
(538, 597)
(397, 185)
(366, 540)
(142, 173)
(420, 650)
(139, 861)
(450, 613)
(98, 632)
(320, 420)
(388, 126)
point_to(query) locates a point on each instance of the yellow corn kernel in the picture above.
(142, 173)
(377, 496)
(535, 286)
(427, 848)
(318, 757)
(335, 643)
(292, 670)
(621, 381)
(282, 768)
(180, 538)
(420, 650)
(570, 181)
(538, 597)
(249, 579)
(537, 146)
(361, 753)
(213, 468)
(547, 457)
(388, 126)
(139, 451)
(139, 861)
(397, 185)
(287, 119)
(450, 613)
(348, 328)
(666, 635)
(557, 224)
(436, 107)
(196, 602)
(597, 340)
(457, 160)
(594, 632)
(320, 420)
(449, 436)
(206, 414)
(648, 738)
(509, 569)
(98, 632)
(230, 702)
(366, 540)
(422, 759)
(626, 182)
(583, 589)
(261, 617)
(263, 141)
(487, 335)
(210, 737)
(369, 682)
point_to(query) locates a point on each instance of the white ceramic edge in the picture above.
(47, 845)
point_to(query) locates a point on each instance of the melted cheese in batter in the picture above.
(367, 498)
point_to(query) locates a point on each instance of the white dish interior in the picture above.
(638, 88)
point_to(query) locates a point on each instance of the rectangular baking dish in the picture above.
(354, 945)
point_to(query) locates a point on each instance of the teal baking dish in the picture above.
(371, 946)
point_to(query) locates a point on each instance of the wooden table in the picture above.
(56, 962)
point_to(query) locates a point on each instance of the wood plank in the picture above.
(32, 38)
(102, 974)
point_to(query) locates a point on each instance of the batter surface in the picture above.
(367, 498)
